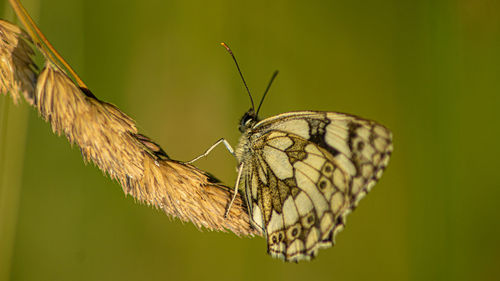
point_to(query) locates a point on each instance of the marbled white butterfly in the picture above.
(302, 172)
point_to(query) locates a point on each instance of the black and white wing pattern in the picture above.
(303, 172)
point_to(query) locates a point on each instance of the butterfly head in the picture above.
(248, 120)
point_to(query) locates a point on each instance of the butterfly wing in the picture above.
(308, 171)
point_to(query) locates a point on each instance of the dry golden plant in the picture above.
(108, 137)
(18, 72)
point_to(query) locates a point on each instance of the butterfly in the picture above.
(301, 173)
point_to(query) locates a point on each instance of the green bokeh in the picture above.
(428, 70)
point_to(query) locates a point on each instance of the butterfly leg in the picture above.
(228, 146)
(240, 171)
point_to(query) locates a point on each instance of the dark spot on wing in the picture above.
(352, 127)
(361, 145)
(317, 131)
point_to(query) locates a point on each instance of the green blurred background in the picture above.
(428, 70)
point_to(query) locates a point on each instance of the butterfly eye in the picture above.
(247, 120)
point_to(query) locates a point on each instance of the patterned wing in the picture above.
(308, 172)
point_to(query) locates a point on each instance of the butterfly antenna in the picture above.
(267, 90)
(239, 71)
